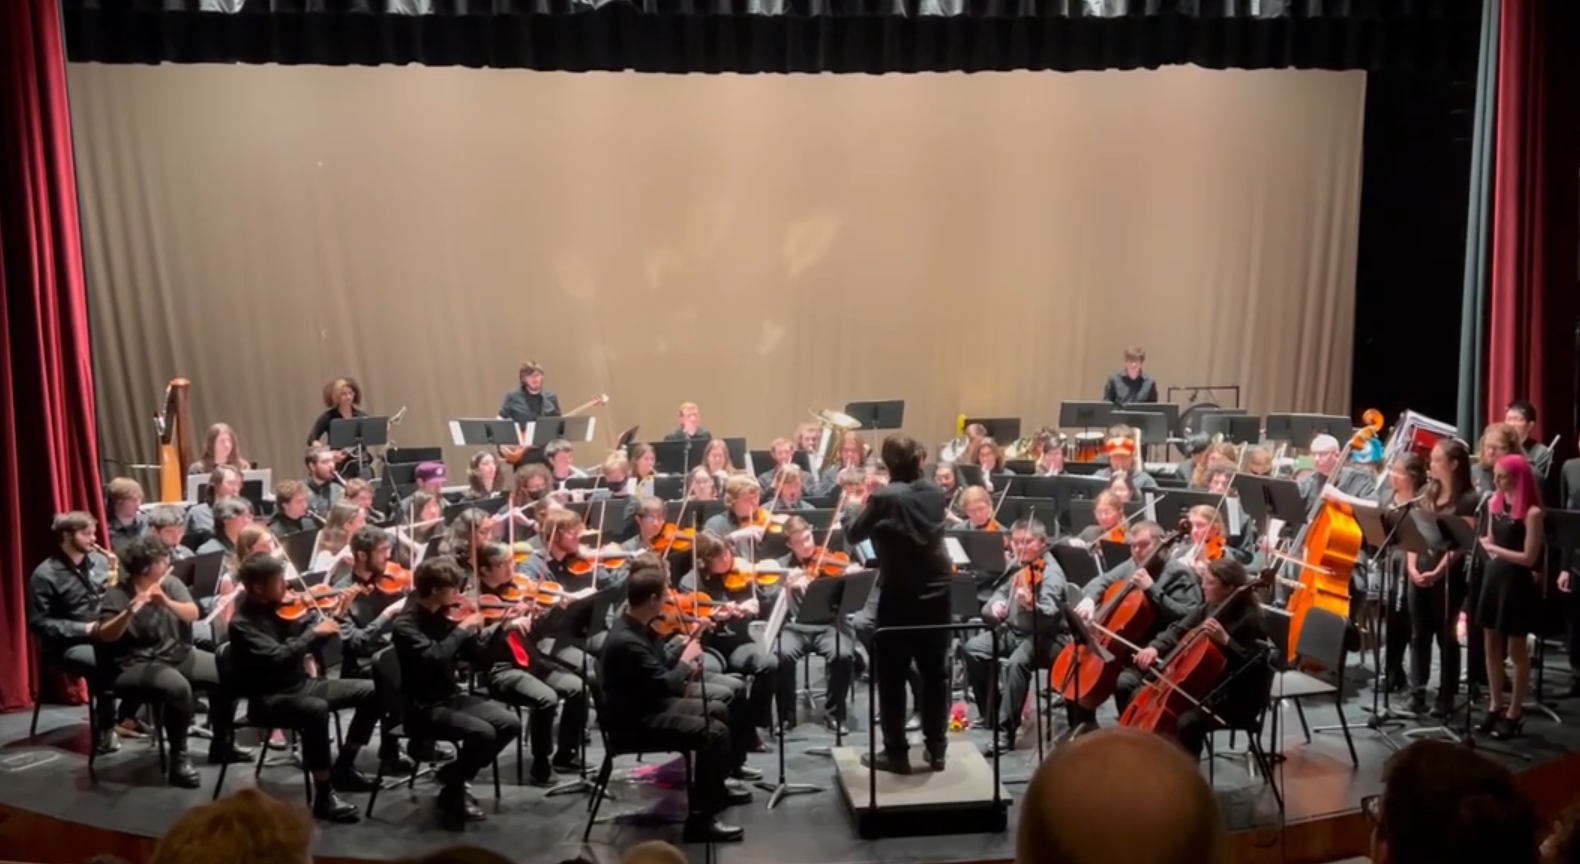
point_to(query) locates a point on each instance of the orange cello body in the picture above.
(1079, 673)
(1333, 544)
(1192, 671)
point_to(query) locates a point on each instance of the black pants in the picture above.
(481, 726)
(704, 728)
(745, 659)
(897, 655)
(170, 687)
(1194, 727)
(864, 623)
(307, 709)
(82, 660)
(1434, 616)
(1125, 688)
(838, 652)
(540, 689)
(1017, 662)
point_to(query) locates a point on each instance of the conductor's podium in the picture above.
(960, 799)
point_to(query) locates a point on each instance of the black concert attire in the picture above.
(1509, 603)
(321, 497)
(352, 467)
(724, 524)
(523, 407)
(1569, 495)
(798, 640)
(365, 629)
(736, 652)
(268, 661)
(701, 436)
(1121, 389)
(644, 698)
(154, 661)
(519, 674)
(62, 601)
(555, 629)
(283, 526)
(1241, 693)
(1028, 639)
(905, 522)
(1434, 616)
(1539, 455)
(428, 645)
(123, 533)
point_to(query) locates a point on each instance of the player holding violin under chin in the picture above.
(579, 570)
(740, 597)
(1031, 630)
(743, 522)
(807, 561)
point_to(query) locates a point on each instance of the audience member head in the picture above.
(1444, 804)
(246, 828)
(461, 855)
(653, 852)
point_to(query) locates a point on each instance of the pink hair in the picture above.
(1525, 495)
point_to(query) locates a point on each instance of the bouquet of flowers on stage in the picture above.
(959, 718)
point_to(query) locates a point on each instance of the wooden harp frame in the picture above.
(174, 424)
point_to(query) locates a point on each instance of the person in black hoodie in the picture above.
(904, 520)
(269, 660)
(1131, 385)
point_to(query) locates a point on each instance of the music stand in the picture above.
(484, 432)
(354, 435)
(882, 414)
(1233, 424)
(736, 448)
(584, 619)
(546, 429)
(1265, 498)
(1077, 562)
(1170, 412)
(674, 457)
(1085, 415)
(829, 602)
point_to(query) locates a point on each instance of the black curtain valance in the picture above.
(869, 36)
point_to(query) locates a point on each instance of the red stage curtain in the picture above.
(48, 441)
(1531, 302)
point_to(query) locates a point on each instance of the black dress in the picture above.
(1510, 599)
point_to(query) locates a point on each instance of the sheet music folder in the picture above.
(346, 433)
(545, 429)
(484, 432)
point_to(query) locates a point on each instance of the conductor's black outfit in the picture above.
(905, 522)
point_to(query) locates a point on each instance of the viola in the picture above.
(672, 538)
(744, 574)
(1117, 535)
(318, 598)
(394, 580)
(770, 523)
(543, 593)
(826, 563)
(681, 613)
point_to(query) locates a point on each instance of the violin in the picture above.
(770, 523)
(745, 574)
(672, 538)
(318, 598)
(681, 613)
(543, 593)
(827, 563)
(1117, 535)
(394, 580)
(581, 564)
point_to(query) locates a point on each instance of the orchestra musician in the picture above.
(647, 706)
(649, 521)
(365, 627)
(292, 511)
(798, 640)
(230, 516)
(517, 677)
(904, 520)
(1131, 385)
(700, 485)
(360, 493)
(1497, 441)
(342, 401)
(690, 428)
(1407, 479)
(428, 641)
(220, 447)
(562, 548)
(1050, 462)
(644, 468)
(976, 504)
(852, 453)
(533, 481)
(224, 482)
(529, 402)
(990, 460)
(1123, 488)
(169, 524)
(1121, 452)
(807, 437)
(1569, 596)
(1195, 447)
(976, 433)
(561, 456)
(144, 637)
(1174, 594)
(482, 476)
(1327, 467)
(63, 610)
(324, 487)
(1232, 619)
(789, 484)
(1108, 512)
(124, 500)
(1520, 416)
(1510, 601)
(782, 451)
(1027, 609)
(332, 550)
(738, 522)
(269, 659)
(730, 638)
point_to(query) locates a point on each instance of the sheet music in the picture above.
(1332, 493)
(957, 553)
(455, 434)
(1236, 516)
(776, 621)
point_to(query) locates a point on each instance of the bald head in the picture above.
(1120, 796)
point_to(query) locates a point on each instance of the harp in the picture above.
(175, 453)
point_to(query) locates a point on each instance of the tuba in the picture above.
(834, 425)
(175, 433)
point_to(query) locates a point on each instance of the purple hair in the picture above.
(1526, 495)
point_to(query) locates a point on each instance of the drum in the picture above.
(1085, 446)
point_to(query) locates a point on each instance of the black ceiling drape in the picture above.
(869, 36)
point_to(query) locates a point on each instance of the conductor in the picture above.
(905, 522)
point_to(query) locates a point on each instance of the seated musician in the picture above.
(145, 640)
(1173, 594)
(782, 451)
(649, 521)
(269, 659)
(292, 512)
(731, 639)
(789, 484)
(1206, 523)
(644, 468)
(1232, 620)
(615, 471)
(428, 640)
(332, 549)
(1051, 462)
(360, 493)
(230, 516)
(516, 677)
(738, 523)
(853, 489)
(416, 526)
(124, 500)
(1109, 513)
(976, 433)
(1195, 448)
(717, 460)
(701, 485)
(324, 487)
(852, 454)
(690, 428)
(1122, 460)
(645, 705)
(555, 631)
(63, 609)
(948, 479)
(1030, 631)
(1130, 385)
(808, 437)
(221, 446)
(990, 460)
(224, 482)
(561, 456)
(533, 482)
(483, 479)
(798, 640)
(431, 478)
(169, 524)
(1123, 488)
(1258, 461)
(976, 504)
(1327, 460)
(365, 626)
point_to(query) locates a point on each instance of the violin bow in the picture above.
(828, 536)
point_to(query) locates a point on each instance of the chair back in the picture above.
(1275, 623)
(386, 681)
(1323, 640)
(222, 664)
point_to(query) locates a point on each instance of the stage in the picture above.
(52, 813)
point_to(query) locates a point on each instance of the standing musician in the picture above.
(1027, 607)
(1130, 385)
(852, 453)
(428, 639)
(516, 677)
(904, 520)
(126, 523)
(269, 658)
(145, 639)
(730, 638)
(324, 487)
(220, 447)
(690, 428)
(646, 705)
(1497, 441)
(1121, 451)
(782, 451)
(291, 512)
(1232, 620)
(1174, 594)
(1520, 416)
(63, 608)
(529, 402)
(739, 523)
(1509, 605)
(798, 640)
(342, 401)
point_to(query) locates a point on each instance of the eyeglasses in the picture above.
(1371, 805)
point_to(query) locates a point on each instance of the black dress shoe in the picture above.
(108, 742)
(348, 779)
(394, 762)
(834, 725)
(737, 796)
(746, 772)
(182, 774)
(540, 774)
(329, 807)
(454, 804)
(708, 829)
(935, 761)
(1441, 710)
(887, 762)
(999, 747)
(568, 764)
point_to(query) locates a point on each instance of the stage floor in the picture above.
(47, 775)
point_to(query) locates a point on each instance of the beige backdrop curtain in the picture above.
(764, 245)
